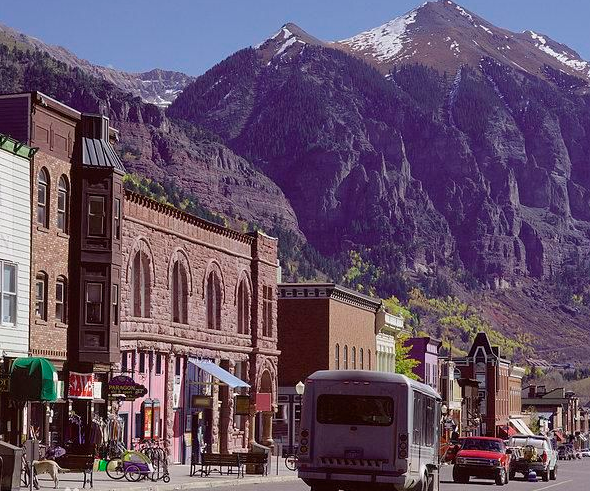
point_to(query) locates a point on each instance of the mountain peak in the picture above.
(288, 41)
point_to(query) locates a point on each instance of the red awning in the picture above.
(506, 431)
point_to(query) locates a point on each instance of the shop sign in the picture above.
(81, 385)
(123, 385)
(263, 402)
(242, 405)
(202, 402)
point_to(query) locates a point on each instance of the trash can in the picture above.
(259, 449)
(11, 466)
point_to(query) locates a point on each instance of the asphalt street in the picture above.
(572, 476)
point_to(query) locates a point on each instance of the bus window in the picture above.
(424, 420)
(339, 409)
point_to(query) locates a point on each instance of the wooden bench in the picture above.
(83, 463)
(257, 459)
(216, 462)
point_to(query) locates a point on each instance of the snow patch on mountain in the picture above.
(563, 56)
(386, 41)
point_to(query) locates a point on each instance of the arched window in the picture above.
(213, 301)
(361, 359)
(41, 295)
(140, 285)
(61, 300)
(243, 308)
(42, 198)
(345, 357)
(354, 358)
(337, 357)
(369, 358)
(63, 203)
(179, 294)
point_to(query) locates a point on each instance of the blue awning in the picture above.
(219, 373)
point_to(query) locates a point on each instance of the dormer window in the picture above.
(96, 216)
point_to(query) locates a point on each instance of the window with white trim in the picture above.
(8, 290)
(61, 300)
(41, 296)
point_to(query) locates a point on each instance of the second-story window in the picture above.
(115, 304)
(179, 294)
(354, 358)
(94, 303)
(117, 219)
(362, 359)
(213, 301)
(8, 289)
(140, 285)
(61, 300)
(267, 318)
(345, 357)
(62, 204)
(96, 216)
(337, 357)
(243, 308)
(41, 296)
(42, 198)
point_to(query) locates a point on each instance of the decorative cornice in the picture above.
(173, 212)
(309, 291)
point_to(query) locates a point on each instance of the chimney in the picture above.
(532, 391)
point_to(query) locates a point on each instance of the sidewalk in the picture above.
(179, 480)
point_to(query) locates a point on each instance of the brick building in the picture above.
(75, 258)
(497, 378)
(199, 303)
(322, 326)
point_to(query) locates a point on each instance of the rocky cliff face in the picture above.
(476, 165)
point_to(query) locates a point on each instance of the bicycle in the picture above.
(291, 461)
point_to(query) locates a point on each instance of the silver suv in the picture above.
(533, 453)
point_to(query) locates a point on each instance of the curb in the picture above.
(205, 484)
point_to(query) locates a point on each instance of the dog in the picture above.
(49, 467)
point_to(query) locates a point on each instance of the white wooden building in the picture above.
(15, 247)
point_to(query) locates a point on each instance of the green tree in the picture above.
(534, 424)
(403, 363)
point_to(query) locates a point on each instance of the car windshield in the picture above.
(485, 445)
(336, 409)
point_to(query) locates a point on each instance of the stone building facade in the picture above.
(194, 291)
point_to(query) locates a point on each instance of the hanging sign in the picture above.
(81, 385)
(263, 402)
(242, 405)
(122, 385)
(202, 402)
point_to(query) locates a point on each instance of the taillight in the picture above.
(303, 447)
(545, 457)
(402, 447)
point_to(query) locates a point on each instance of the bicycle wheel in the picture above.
(133, 473)
(291, 462)
(115, 469)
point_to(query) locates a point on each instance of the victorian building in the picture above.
(198, 330)
(497, 378)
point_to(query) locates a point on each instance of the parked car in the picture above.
(483, 458)
(585, 453)
(536, 454)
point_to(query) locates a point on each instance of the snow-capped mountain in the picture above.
(288, 41)
(156, 86)
(444, 35)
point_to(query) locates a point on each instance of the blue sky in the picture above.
(193, 35)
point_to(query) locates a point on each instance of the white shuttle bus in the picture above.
(364, 430)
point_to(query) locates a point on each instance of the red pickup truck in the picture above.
(483, 458)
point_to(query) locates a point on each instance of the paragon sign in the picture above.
(127, 387)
